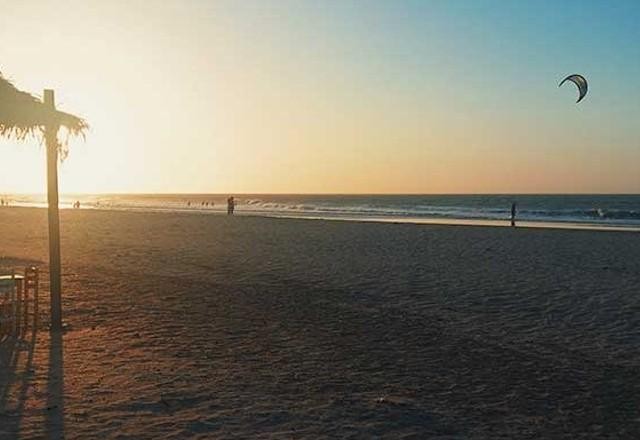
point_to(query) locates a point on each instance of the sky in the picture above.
(202, 96)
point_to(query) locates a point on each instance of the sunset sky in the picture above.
(331, 96)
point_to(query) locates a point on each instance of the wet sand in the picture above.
(201, 326)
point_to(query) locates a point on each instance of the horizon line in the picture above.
(330, 193)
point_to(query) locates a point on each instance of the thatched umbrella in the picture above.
(21, 116)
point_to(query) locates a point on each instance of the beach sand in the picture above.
(203, 326)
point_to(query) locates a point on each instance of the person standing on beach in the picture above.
(513, 213)
(231, 204)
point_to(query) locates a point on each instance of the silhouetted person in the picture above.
(513, 213)
(231, 204)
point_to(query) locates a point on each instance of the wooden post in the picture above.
(51, 139)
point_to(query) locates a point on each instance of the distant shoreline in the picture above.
(382, 220)
(470, 222)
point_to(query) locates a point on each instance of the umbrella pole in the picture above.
(51, 138)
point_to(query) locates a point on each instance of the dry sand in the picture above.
(203, 326)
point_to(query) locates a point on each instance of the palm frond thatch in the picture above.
(23, 115)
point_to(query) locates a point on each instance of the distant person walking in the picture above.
(231, 205)
(514, 209)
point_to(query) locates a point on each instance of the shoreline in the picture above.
(523, 224)
(471, 222)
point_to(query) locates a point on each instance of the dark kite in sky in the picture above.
(579, 81)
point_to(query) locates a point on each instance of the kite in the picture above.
(580, 82)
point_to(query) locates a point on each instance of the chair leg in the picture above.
(26, 307)
(36, 295)
(36, 313)
(19, 301)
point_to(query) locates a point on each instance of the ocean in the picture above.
(621, 211)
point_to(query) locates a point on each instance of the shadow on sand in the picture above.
(55, 388)
(17, 371)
